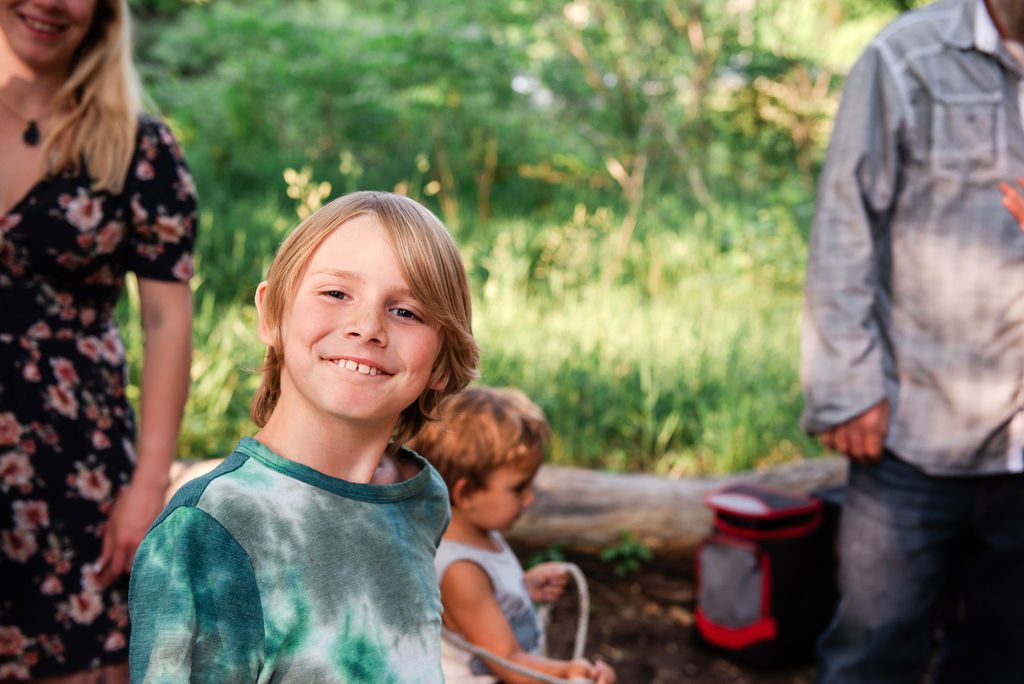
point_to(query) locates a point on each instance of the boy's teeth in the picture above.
(361, 368)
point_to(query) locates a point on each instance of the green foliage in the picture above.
(628, 555)
(683, 363)
(512, 106)
(552, 554)
(631, 184)
(677, 356)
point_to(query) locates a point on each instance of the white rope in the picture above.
(578, 649)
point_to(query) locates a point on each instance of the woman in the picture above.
(89, 189)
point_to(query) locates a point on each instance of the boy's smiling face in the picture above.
(356, 344)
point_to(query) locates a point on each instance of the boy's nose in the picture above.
(366, 324)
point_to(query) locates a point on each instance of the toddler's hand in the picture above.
(603, 673)
(598, 671)
(546, 582)
(581, 668)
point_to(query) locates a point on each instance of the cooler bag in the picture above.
(766, 575)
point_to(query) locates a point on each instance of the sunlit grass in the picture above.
(676, 354)
(689, 368)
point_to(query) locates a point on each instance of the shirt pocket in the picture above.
(967, 131)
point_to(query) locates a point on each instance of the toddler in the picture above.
(488, 445)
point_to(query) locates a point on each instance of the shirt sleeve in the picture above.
(194, 605)
(845, 303)
(164, 214)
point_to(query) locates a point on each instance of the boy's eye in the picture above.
(336, 294)
(406, 313)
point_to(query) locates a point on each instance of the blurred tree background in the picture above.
(631, 182)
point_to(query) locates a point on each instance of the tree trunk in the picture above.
(586, 510)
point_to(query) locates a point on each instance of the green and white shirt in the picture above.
(266, 570)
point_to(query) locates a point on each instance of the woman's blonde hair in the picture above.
(429, 261)
(480, 430)
(96, 110)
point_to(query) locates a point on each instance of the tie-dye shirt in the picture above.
(266, 570)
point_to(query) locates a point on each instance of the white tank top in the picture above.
(506, 575)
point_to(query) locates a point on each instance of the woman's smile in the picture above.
(47, 29)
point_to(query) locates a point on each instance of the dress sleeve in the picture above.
(164, 216)
(194, 605)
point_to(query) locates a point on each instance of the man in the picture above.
(913, 348)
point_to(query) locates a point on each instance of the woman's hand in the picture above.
(136, 507)
(1014, 201)
(546, 582)
(166, 313)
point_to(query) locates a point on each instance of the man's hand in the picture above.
(1013, 201)
(862, 437)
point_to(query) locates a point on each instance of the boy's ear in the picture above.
(460, 491)
(266, 335)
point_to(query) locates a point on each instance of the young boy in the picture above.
(488, 445)
(307, 556)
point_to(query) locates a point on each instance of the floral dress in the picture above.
(66, 426)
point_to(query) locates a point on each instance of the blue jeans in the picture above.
(919, 553)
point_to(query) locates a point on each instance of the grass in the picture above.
(675, 353)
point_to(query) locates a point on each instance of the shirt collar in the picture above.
(960, 29)
(988, 40)
(986, 35)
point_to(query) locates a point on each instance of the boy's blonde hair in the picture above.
(480, 430)
(429, 261)
(96, 110)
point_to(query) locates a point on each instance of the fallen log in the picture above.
(586, 511)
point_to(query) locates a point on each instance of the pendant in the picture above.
(31, 134)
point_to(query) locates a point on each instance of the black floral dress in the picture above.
(66, 426)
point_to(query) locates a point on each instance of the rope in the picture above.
(579, 646)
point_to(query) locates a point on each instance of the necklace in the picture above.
(30, 136)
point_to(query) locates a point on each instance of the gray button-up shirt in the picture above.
(915, 278)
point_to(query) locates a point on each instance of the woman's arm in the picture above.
(166, 313)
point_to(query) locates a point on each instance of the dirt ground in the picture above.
(643, 626)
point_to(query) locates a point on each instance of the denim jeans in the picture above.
(919, 552)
